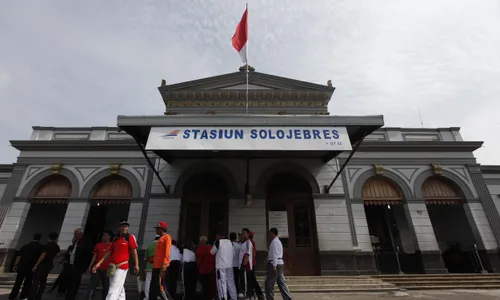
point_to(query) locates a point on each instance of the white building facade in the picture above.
(408, 200)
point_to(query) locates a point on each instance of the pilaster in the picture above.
(10, 192)
(13, 224)
(486, 199)
(76, 217)
(134, 219)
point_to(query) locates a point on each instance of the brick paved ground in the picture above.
(420, 295)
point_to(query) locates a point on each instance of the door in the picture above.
(204, 218)
(205, 209)
(299, 247)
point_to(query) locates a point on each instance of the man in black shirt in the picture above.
(79, 260)
(23, 264)
(42, 267)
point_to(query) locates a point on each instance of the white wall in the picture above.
(493, 184)
(332, 223)
(483, 225)
(361, 226)
(166, 210)
(423, 227)
(252, 217)
(331, 214)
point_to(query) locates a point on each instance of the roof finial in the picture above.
(244, 68)
(163, 82)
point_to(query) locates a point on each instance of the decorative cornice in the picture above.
(490, 169)
(75, 145)
(423, 161)
(6, 168)
(240, 102)
(235, 78)
(419, 146)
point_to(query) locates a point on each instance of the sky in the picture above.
(82, 63)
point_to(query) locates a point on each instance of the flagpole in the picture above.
(247, 71)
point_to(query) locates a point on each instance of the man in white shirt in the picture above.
(173, 269)
(236, 263)
(189, 272)
(245, 259)
(275, 268)
(223, 251)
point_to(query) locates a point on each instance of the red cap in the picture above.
(250, 234)
(162, 225)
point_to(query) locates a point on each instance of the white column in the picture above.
(332, 222)
(252, 217)
(11, 229)
(361, 226)
(166, 210)
(483, 226)
(423, 227)
(76, 217)
(134, 218)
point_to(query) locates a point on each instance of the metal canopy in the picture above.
(139, 127)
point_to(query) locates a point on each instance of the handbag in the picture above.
(113, 267)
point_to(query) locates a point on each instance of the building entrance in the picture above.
(290, 194)
(49, 202)
(392, 241)
(110, 204)
(451, 227)
(205, 208)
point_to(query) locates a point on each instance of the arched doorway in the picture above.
(290, 207)
(445, 206)
(110, 203)
(392, 240)
(49, 201)
(205, 208)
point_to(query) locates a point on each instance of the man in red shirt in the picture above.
(100, 276)
(120, 250)
(206, 266)
(160, 263)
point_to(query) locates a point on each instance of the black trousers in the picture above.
(39, 283)
(99, 277)
(25, 276)
(236, 273)
(63, 278)
(173, 277)
(205, 281)
(190, 278)
(74, 279)
(246, 279)
(155, 288)
(256, 286)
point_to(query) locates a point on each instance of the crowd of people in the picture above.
(223, 269)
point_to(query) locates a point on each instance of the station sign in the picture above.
(275, 138)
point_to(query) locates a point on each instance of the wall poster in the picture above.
(279, 220)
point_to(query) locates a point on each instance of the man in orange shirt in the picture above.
(160, 263)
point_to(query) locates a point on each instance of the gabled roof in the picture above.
(237, 81)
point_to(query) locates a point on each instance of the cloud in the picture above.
(83, 63)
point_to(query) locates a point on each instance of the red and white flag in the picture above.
(240, 37)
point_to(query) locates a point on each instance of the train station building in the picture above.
(348, 195)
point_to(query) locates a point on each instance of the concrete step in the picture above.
(453, 287)
(455, 283)
(472, 276)
(443, 281)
